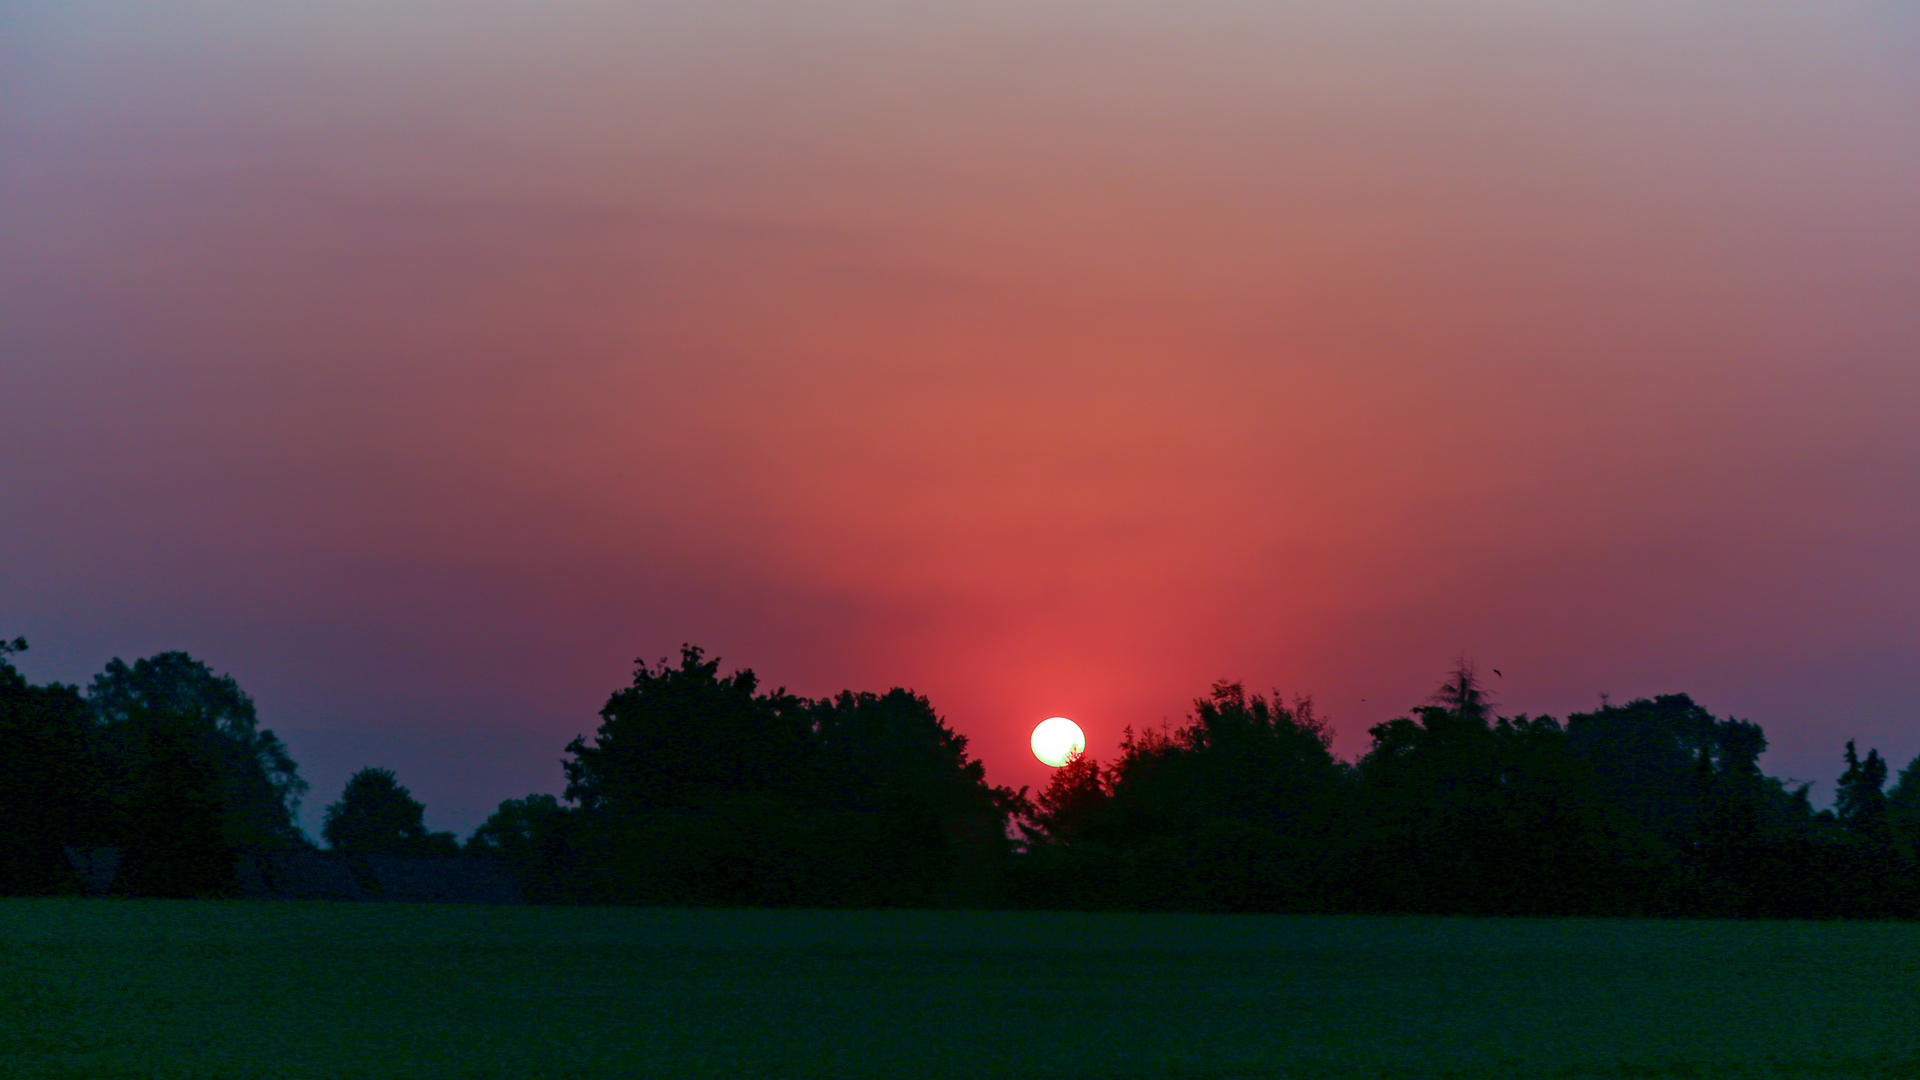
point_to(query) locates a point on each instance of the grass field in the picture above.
(186, 989)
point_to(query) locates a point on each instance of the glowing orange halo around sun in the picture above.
(1057, 739)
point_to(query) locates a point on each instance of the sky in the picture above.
(425, 363)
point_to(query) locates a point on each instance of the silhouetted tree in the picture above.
(1646, 759)
(47, 793)
(1753, 853)
(1867, 857)
(1903, 810)
(1737, 747)
(376, 814)
(255, 784)
(515, 826)
(1463, 697)
(533, 838)
(692, 787)
(1232, 810)
(1465, 812)
(1859, 804)
(1069, 859)
(1257, 760)
(699, 788)
(175, 842)
(909, 818)
(1072, 804)
(1552, 845)
(1431, 783)
(681, 738)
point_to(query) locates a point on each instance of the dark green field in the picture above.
(186, 989)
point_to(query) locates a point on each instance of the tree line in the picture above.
(1655, 807)
(165, 761)
(704, 788)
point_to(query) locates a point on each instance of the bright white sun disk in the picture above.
(1057, 739)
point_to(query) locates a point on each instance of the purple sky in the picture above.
(423, 364)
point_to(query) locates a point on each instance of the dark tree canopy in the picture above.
(1652, 807)
(376, 814)
(1903, 811)
(257, 786)
(176, 830)
(910, 815)
(1074, 804)
(698, 787)
(687, 737)
(1860, 805)
(1646, 757)
(1222, 812)
(48, 789)
(536, 840)
(515, 827)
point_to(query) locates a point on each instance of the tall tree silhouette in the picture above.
(255, 784)
(47, 791)
(692, 788)
(1903, 810)
(1859, 803)
(682, 738)
(1070, 858)
(176, 844)
(699, 787)
(1869, 859)
(1647, 756)
(1432, 785)
(1231, 810)
(1240, 757)
(912, 817)
(1072, 805)
(1465, 812)
(1463, 696)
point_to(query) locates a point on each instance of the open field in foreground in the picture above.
(186, 989)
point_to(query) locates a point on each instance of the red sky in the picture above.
(423, 364)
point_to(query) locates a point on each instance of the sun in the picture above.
(1057, 739)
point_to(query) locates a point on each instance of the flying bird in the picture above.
(1496, 671)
